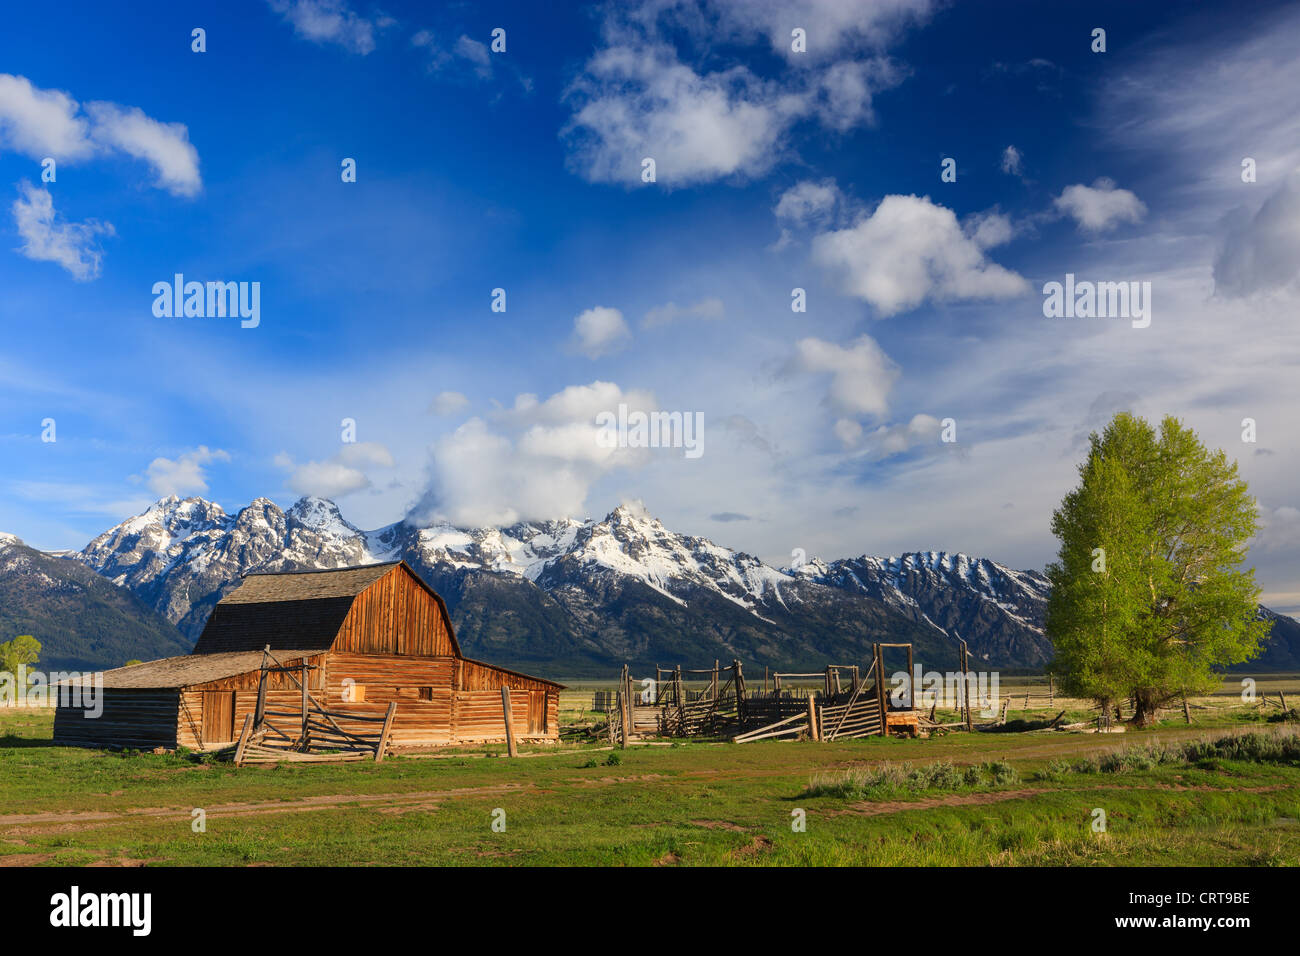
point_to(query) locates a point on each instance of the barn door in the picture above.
(536, 713)
(218, 716)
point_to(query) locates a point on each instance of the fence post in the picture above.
(510, 723)
(812, 717)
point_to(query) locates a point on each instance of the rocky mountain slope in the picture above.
(82, 621)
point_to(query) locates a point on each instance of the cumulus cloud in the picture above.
(1101, 206)
(448, 403)
(535, 460)
(183, 475)
(989, 229)
(331, 21)
(164, 146)
(808, 201)
(669, 312)
(599, 331)
(861, 375)
(46, 238)
(643, 102)
(39, 123)
(910, 250)
(641, 96)
(339, 475)
(1261, 252)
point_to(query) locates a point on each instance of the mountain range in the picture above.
(579, 598)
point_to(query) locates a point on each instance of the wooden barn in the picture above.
(364, 637)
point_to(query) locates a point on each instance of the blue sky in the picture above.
(521, 170)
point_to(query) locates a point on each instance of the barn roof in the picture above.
(296, 609)
(190, 669)
(277, 586)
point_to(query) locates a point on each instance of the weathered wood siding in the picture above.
(140, 719)
(395, 615)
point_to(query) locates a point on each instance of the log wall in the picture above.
(139, 719)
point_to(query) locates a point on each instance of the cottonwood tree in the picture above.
(1148, 594)
(22, 650)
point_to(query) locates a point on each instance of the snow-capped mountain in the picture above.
(998, 611)
(566, 592)
(580, 596)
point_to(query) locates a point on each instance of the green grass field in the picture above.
(874, 802)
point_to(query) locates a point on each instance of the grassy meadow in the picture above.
(993, 798)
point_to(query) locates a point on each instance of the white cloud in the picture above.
(339, 475)
(1101, 206)
(889, 440)
(861, 375)
(1262, 252)
(477, 53)
(643, 102)
(164, 146)
(331, 21)
(1012, 161)
(72, 245)
(641, 96)
(808, 201)
(599, 331)
(40, 123)
(183, 475)
(666, 314)
(832, 26)
(989, 229)
(911, 250)
(448, 403)
(540, 465)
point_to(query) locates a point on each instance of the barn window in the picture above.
(426, 693)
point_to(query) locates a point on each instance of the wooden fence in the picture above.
(320, 737)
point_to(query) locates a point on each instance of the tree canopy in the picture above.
(1148, 594)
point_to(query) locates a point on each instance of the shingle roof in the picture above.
(190, 669)
(307, 585)
(288, 609)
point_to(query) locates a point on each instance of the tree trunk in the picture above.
(1146, 710)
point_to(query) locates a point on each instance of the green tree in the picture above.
(23, 649)
(1148, 596)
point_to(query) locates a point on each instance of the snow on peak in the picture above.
(321, 515)
(7, 540)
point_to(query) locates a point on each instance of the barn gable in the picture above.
(374, 609)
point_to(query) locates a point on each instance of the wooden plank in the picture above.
(243, 739)
(383, 735)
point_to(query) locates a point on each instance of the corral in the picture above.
(328, 655)
(850, 702)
